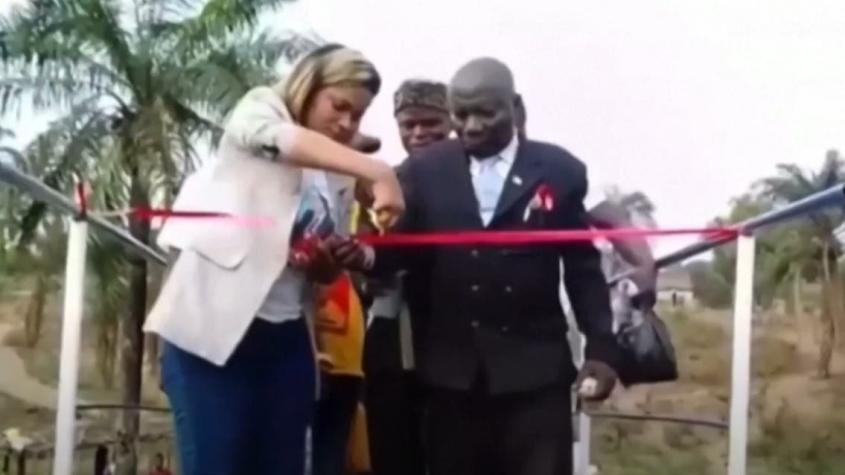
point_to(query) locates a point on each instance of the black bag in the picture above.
(648, 355)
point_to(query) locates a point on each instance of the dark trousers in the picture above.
(394, 423)
(251, 415)
(333, 422)
(475, 433)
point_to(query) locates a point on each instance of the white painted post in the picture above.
(74, 286)
(741, 366)
(581, 447)
(582, 457)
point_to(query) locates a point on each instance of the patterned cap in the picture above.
(420, 93)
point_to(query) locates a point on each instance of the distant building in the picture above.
(674, 287)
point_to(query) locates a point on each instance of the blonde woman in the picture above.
(238, 364)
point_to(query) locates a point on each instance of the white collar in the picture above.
(504, 158)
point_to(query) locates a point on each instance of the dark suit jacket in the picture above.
(496, 311)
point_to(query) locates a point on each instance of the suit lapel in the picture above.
(465, 199)
(526, 172)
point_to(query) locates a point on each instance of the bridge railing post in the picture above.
(741, 355)
(74, 292)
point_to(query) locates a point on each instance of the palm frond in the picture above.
(63, 149)
(44, 33)
(215, 79)
(217, 20)
(833, 170)
(45, 93)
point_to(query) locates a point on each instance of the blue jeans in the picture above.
(250, 416)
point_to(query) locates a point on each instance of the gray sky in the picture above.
(689, 102)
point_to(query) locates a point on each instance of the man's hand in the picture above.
(351, 254)
(317, 261)
(595, 381)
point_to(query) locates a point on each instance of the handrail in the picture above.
(41, 192)
(823, 199)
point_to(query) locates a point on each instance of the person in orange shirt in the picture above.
(339, 325)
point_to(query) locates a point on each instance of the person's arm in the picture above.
(258, 125)
(589, 295)
(587, 289)
(390, 260)
(385, 261)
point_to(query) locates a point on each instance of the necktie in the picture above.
(488, 187)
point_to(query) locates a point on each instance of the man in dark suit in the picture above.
(393, 393)
(493, 349)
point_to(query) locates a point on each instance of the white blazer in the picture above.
(224, 270)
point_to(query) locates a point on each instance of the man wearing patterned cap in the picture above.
(393, 394)
(422, 114)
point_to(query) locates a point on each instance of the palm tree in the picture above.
(139, 84)
(815, 243)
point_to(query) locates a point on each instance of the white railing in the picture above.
(743, 306)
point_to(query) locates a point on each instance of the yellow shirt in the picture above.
(340, 322)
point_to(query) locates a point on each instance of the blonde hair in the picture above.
(330, 65)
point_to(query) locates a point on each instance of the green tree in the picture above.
(812, 246)
(709, 287)
(137, 85)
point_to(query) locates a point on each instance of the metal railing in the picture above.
(738, 430)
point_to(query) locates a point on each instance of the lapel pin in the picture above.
(517, 180)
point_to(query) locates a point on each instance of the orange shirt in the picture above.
(340, 321)
(340, 327)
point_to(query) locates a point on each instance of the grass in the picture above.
(641, 456)
(794, 447)
(797, 425)
(792, 433)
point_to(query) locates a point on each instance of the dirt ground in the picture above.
(797, 422)
(28, 382)
(796, 425)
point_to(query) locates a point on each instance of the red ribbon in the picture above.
(511, 238)
(457, 238)
(150, 213)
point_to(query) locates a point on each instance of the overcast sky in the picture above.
(689, 102)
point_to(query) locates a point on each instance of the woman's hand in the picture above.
(388, 202)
